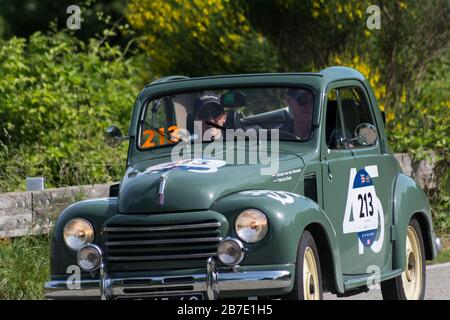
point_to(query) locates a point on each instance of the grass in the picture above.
(24, 267)
(443, 256)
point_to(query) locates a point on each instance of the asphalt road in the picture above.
(438, 286)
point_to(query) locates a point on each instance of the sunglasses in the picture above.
(210, 113)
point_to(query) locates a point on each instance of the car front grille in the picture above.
(153, 246)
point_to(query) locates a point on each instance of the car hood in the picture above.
(197, 183)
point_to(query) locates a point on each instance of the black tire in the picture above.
(394, 289)
(298, 293)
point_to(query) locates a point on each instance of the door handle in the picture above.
(330, 175)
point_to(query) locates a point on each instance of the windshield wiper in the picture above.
(162, 133)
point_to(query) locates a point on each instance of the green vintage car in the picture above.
(244, 186)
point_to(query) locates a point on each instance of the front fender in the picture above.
(409, 201)
(289, 214)
(96, 211)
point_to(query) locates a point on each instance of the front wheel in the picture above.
(308, 278)
(410, 285)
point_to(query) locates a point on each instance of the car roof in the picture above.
(329, 74)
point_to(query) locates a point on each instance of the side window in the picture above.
(354, 111)
(333, 121)
(346, 109)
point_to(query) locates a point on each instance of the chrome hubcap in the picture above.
(411, 267)
(310, 276)
(412, 276)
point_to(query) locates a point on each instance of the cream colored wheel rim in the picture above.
(310, 276)
(412, 276)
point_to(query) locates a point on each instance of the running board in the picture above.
(355, 281)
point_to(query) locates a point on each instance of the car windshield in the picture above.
(211, 115)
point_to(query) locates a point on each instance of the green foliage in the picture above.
(422, 124)
(57, 96)
(421, 120)
(307, 33)
(443, 256)
(409, 42)
(23, 18)
(24, 267)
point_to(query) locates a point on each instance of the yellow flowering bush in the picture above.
(307, 33)
(330, 9)
(350, 10)
(372, 74)
(413, 117)
(198, 37)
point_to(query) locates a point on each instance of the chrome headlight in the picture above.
(251, 225)
(89, 257)
(230, 251)
(78, 232)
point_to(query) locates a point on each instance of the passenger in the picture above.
(212, 116)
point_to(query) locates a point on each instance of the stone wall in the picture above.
(33, 212)
(422, 171)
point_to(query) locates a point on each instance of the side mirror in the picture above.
(366, 134)
(113, 136)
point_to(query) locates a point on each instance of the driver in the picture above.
(210, 112)
(300, 104)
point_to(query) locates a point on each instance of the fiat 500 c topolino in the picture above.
(260, 185)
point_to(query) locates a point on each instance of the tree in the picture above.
(22, 18)
(307, 33)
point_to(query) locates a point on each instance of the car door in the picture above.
(355, 188)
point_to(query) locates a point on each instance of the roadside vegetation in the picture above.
(443, 257)
(24, 267)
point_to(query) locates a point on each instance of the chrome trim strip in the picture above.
(212, 286)
(255, 280)
(162, 257)
(197, 283)
(141, 250)
(105, 282)
(162, 186)
(164, 228)
(60, 289)
(164, 241)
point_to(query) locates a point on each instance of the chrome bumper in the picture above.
(213, 283)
